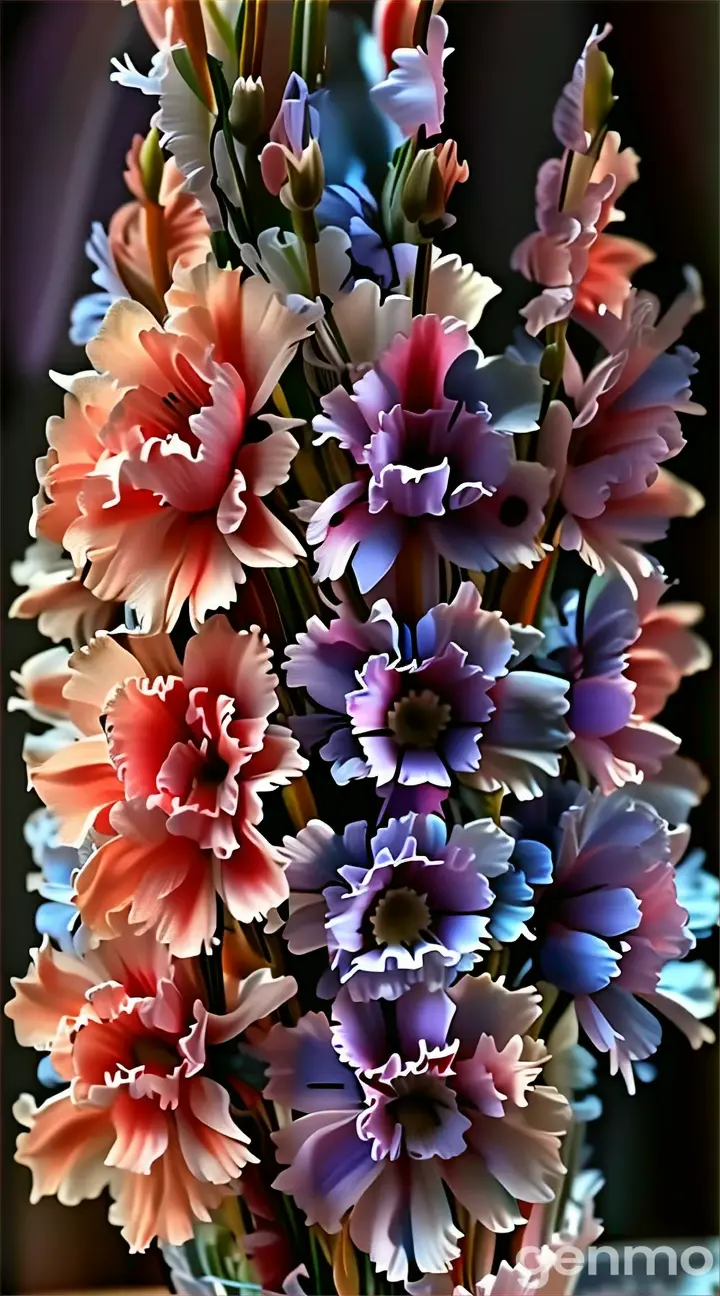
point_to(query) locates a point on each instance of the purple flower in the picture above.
(607, 458)
(401, 908)
(464, 1117)
(569, 114)
(413, 95)
(414, 714)
(614, 743)
(291, 134)
(352, 207)
(610, 922)
(431, 474)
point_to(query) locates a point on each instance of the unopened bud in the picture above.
(152, 165)
(247, 110)
(306, 178)
(423, 195)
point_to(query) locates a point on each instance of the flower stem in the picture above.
(421, 279)
(247, 49)
(259, 45)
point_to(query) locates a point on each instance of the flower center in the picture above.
(215, 769)
(417, 1114)
(513, 511)
(400, 917)
(155, 1055)
(418, 719)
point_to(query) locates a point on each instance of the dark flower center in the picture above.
(418, 719)
(513, 511)
(400, 917)
(155, 1054)
(416, 1113)
(215, 769)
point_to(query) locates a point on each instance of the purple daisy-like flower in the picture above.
(412, 714)
(465, 1117)
(431, 472)
(614, 742)
(396, 909)
(610, 922)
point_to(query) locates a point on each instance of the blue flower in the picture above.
(698, 892)
(514, 903)
(57, 917)
(351, 207)
(89, 312)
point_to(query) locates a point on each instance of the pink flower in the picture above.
(159, 21)
(613, 738)
(151, 480)
(571, 117)
(612, 259)
(413, 95)
(666, 649)
(128, 1030)
(606, 459)
(174, 779)
(581, 268)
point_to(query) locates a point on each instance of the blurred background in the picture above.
(65, 131)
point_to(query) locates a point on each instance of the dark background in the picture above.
(65, 131)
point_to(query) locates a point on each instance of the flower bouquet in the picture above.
(360, 842)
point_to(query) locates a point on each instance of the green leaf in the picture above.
(183, 63)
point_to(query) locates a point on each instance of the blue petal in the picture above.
(535, 860)
(47, 1075)
(577, 962)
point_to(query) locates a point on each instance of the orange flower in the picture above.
(174, 779)
(128, 1030)
(151, 481)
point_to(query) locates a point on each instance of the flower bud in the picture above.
(152, 165)
(247, 110)
(423, 195)
(306, 178)
(452, 171)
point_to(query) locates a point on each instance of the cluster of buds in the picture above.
(292, 164)
(428, 186)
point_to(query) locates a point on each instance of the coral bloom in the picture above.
(582, 268)
(666, 649)
(174, 778)
(56, 595)
(185, 231)
(130, 1033)
(155, 478)
(466, 1116)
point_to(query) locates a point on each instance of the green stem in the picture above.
(314, 43)
(421, 279)
(247, 48)
(222, 97)
(297, 32)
